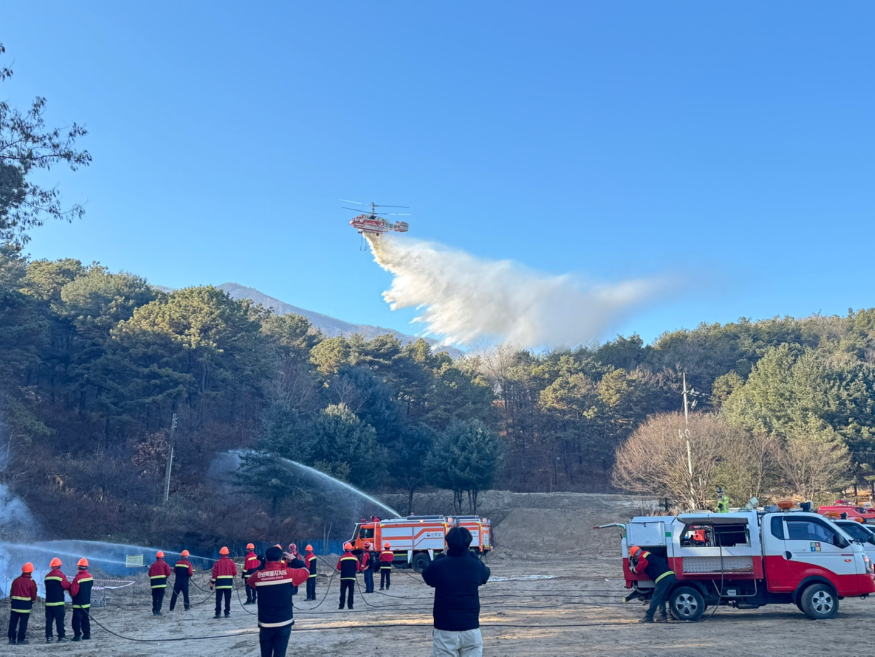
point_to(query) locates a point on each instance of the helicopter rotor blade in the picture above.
(391, 206)
(346, 200)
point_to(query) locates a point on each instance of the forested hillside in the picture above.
(94, 364)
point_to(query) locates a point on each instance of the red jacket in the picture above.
(158, 574)
(250, 564)
(311, 560)
(224, 572)
(386, 558)
(23, 593)
(80, 589)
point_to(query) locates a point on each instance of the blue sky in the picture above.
(728, 143)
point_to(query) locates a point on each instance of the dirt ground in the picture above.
(577, 612)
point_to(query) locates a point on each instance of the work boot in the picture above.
(11, 642)
(662, 619)
(340, 607)
(227, 614)
(77, 638)
(86, 637)
(48, 639)
(23, 642)
(217, 616)
(646, 619)
(187, 607)
(62, 639)
(157, 613)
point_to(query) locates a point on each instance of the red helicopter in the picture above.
(375, 223)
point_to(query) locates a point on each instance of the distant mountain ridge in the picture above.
(329, 326)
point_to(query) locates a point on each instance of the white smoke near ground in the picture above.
(464, 299)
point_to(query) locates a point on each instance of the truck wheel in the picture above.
(819, 602)
(686, 603)
(420, 562)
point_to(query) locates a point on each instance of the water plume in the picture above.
(464, 299)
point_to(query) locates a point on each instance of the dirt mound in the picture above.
(530, 524)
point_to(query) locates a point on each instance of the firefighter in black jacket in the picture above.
(183, 571)
(348, 566)
(56, 583)
(80, 592)
(311, 560)
(657, 569)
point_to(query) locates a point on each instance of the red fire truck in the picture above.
(748, 559)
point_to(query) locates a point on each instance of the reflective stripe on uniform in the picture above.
(53, 579)
(227, 584)
(347, 579)
(312, 576)
(81, 606)
(86, 579)
(54, 604)
(669, 572)
(18, 597)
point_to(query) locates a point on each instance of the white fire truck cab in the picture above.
(747, 559)
(415, 539)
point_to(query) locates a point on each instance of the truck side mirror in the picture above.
(840, 542)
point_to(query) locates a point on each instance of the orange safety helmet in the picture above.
(367, 544)
(634, 550)
(159, 555)
(387, 545)
(224, 550)
(347, 546)
(56, 563)
(309, 548)
(27, 568)
(83, 563)
(250, 546)
(185, 553)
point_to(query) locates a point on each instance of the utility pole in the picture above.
(170, 458)
(687, 436)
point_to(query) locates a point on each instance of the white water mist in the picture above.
(236, 454)
(352, 489)
(464, 299)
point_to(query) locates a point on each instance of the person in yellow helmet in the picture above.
(22, 595)
(56, 583)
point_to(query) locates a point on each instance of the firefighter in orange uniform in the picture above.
(311, 560)
(348, 567)
(224, 572)
(22, 595)
(158, 574)
(80, 592)
(386, 559)
(251, 562)
(56, 583)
